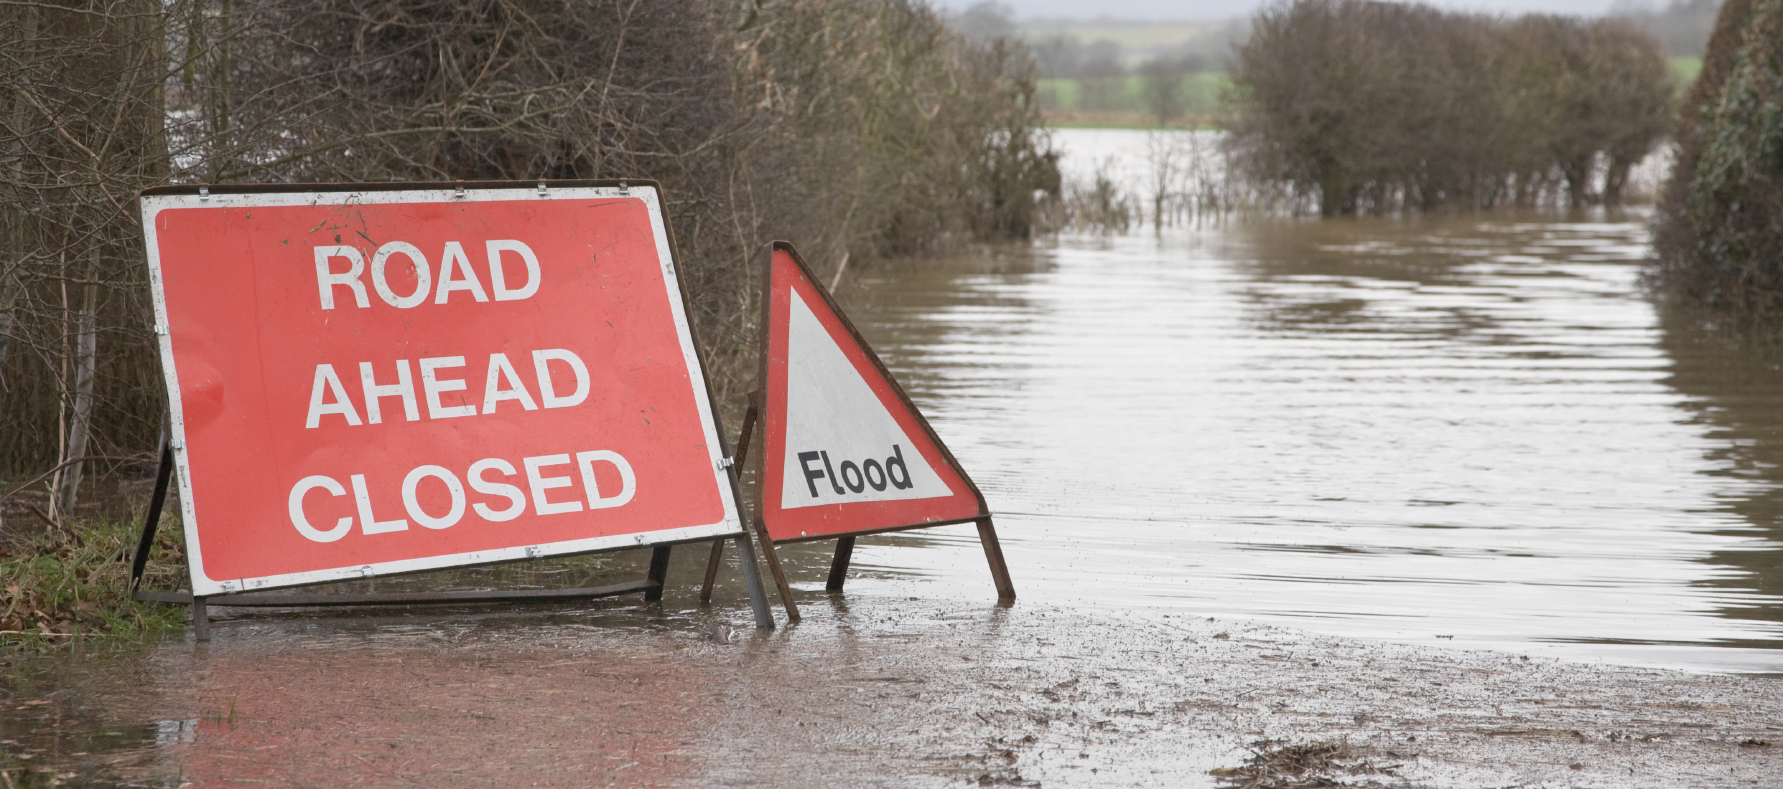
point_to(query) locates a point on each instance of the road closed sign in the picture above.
(375, 381)
(846, 450)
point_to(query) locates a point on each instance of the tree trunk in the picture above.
(81, 422)
(9, 291)
(1615, 180)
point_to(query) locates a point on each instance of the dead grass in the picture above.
(1276, 765)
(72, 585)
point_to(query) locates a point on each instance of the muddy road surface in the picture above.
(866, 691)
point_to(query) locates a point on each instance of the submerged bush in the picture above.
(1098, 206)
(1378, 107)
(1719, 234)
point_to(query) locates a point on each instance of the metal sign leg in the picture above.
(659, 573)
(993, 553)
(200, 620)
(758, 597)
(151, 520)
(839, 567)
(792, 608)
(712, 562)
(743, 440)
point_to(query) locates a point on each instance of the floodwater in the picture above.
(1468, 431)
(1231, 464)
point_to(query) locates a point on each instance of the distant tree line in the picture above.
(1720, 228)
(1065, 56)
(853, 127)
(1375, 107)
(1103, 81)
(1102, 70)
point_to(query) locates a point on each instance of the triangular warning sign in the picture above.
(846, 450)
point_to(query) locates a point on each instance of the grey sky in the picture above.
(1219, 9)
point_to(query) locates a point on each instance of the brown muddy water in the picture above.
(1472, 432)
(1445, 490)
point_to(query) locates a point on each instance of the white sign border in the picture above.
(205, 586)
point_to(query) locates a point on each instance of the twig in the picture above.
(840, 267)
(48, 116)
(143, 458)
(45, 518)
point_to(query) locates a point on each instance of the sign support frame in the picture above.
(654, 582)
(773, 558)
(987, 533)
(651, 587)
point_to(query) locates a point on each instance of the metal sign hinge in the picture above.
(724, 463)
(541, 188)
(161, 329)
(203, 193)
(624, 191)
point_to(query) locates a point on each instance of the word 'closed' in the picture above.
(538, 481)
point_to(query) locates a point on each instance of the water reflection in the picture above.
(1467, 428)
(1738, 401)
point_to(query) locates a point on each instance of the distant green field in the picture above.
(1686, 69)
(1201, 94)
(1136, 38)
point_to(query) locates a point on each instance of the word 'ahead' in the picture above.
(847, 452)
(381, 381)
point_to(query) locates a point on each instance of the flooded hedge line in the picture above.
(1379, 108)
(1719, 236)
(855, 127)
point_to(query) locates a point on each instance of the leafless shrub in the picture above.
(1588, 97)
(1189, 181)
(1099, 206)
(1379, 108)
(80, 133)
(929, 140)
(853, 127)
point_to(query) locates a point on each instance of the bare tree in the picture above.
(1384, 107)
(861, 127)
(81, 130)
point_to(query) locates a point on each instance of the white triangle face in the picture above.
(852, 449)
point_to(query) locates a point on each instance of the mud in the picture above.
(866, 691)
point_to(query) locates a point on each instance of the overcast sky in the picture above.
(1220, 9)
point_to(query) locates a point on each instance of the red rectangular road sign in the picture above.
(375, 381)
